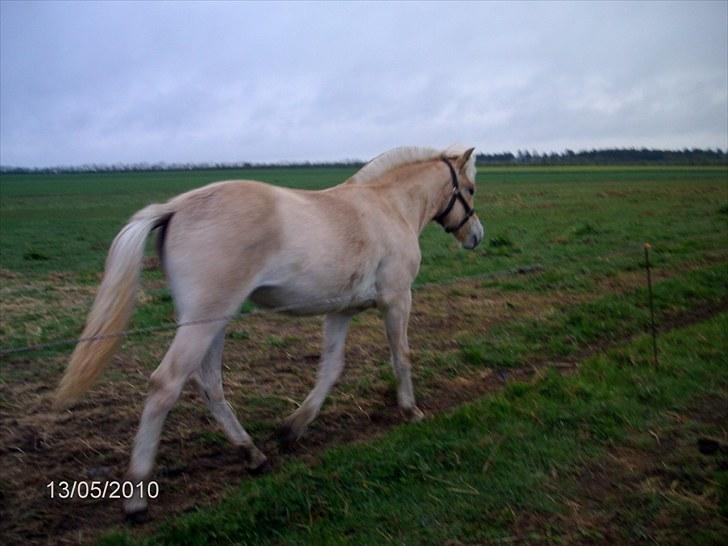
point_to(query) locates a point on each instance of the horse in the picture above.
(335, 252)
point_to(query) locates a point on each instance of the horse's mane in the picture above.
(406, 155)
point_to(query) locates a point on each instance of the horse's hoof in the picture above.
(262, 468)
(253, 458)
(137, 517)
(413, 414)
(287, 438)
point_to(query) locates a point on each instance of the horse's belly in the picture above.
(300, 301)
(323, 279)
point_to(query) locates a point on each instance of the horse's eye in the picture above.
(471, 191)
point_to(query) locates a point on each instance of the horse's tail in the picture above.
(114, 304)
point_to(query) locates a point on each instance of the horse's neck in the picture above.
(416, 193)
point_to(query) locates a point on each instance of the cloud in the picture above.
(123, 82)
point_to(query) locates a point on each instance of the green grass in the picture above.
(66, 222)
(473, 474)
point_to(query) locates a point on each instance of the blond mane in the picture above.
(407, 155)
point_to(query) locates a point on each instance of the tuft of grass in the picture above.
(585, 229)
(501, 241)
(501, 245)
(210, 438)
(32, 255)
(238, 334)
(499, 352)
(281, 342)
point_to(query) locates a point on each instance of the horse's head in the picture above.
(457, 213)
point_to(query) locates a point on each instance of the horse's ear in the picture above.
(463, 159)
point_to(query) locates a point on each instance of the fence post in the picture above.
(647, 247)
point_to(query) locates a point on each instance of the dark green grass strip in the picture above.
(467, 475)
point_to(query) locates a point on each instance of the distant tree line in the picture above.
(152, 167)
(609, 156)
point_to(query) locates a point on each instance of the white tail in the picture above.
(113, 306)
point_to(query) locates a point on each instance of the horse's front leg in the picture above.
(396, 318)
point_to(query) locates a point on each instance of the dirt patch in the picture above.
(270, 364)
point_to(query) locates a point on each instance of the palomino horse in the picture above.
(332, 252)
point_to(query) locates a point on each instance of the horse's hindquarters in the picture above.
(217, 245)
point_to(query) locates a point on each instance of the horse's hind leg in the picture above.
(396, 317)
(332, 362)
(209, 381)
(183, 357)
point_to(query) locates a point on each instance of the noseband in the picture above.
(456, 195)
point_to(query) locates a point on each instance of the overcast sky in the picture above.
(183, 82)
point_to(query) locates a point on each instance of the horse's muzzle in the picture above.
(474, 236)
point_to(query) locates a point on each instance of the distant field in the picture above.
(558, 280)
(65, 222)
(59, 222)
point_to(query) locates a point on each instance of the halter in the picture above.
(456, 195)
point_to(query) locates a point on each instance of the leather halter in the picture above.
(456, 195)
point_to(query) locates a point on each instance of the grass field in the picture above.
(516, 451)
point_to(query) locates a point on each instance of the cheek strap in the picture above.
(456, 195)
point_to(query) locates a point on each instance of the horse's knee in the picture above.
(163, 393)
